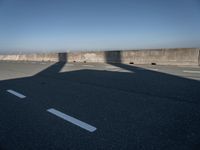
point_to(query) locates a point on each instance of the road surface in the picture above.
(90, 106)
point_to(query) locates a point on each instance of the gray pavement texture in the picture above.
(133, 107)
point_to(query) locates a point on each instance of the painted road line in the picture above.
(72, 120)
(111, 67)
(190, 71)
(126, 71)
(16, 94)
(88, 65)
(153, 69)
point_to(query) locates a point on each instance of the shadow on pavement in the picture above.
(141, 109)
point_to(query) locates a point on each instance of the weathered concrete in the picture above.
(158, 56)
(30, 57)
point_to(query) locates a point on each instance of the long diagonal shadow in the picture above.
(55, 68)
(154, 83)
(148, 107)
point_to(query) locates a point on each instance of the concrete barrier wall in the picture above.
(30, 57)
(158, 56)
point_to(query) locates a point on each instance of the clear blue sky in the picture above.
(99, 24)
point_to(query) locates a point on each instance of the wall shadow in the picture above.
(55, 68)
(151, 82)
(113, 56)
(159, 109)
(62, 57)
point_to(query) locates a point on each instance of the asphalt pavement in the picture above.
(46, 105)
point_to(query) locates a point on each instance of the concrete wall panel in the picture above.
(158, 56)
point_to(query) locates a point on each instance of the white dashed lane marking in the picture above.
(154, 69)
(72, 120)
(16, 94)
(190, 71)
